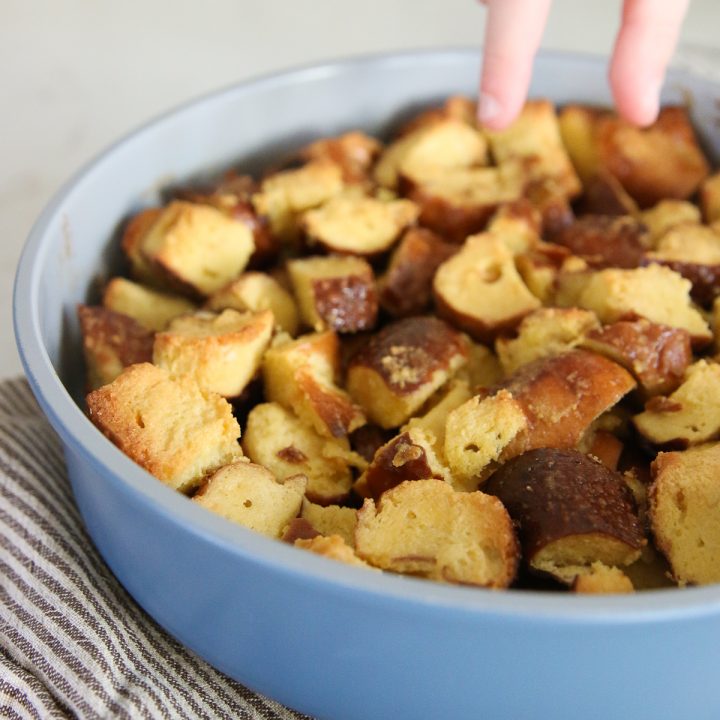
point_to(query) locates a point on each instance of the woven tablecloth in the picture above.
(73, 643)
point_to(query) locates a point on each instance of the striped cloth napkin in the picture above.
(73, 643)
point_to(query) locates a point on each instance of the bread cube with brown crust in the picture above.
(602, 580)
(539, 268)
(255, 292)
(549, 403)
(408, 456)
(406, 287)
(604, 195)
(221, 352)
(334, 547)
(535, 134)
(331, 520)
(301, 376)
(334, 292)
(569, 283)
(250, 495)
(151, 308)
(653, 292)
(606, 241)
(656, 355)
(457, 202)
(685, 512)
(353, 152)
(710, 198)
(480, 291)
(483, 368)
(111, 342)
(133, 236)
(456, 107)
(666, 215)
(690, 415)
(400, 367)
(544, 332)
(197, 247)
(694, 252)
(175, 430)
(518, 224)
(429, 148)
(285, 195)
(358, 225)
(577, 129)
(571, 512)
(425, 528)
(279, 441)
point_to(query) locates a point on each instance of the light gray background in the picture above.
(77, 74)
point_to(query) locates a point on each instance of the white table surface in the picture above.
(77, 74)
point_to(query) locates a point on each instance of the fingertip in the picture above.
(492, 114)
(637, 99)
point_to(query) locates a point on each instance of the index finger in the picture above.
(512, 36)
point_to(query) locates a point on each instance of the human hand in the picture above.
(643, 48)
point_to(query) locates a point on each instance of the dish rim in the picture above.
(79, 434)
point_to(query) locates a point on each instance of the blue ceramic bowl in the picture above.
(324, 638)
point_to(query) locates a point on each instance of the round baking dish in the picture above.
(328, 639)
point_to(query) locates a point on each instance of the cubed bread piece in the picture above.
(535, 134)
(457, 202)
(400, 367)
(656, 355)
(710, 198)
(691, 415)
(172, 428)
(333, 547)
(544, 332)
(605, 195)
(255, 292)
(694, 252)
(151, 308)
(111, 341)
(685, 512)
(358, 225)
(354, 152)
(197, 247)
(433, 422)
(456, 107)
(301, 375)
(577, 129)
(606, 240)
(335, 292)
(654, 292)
(661, 161)
(549, 198)
(137, 227)
(668, 214)
(518, 224)
(571, 511)
(569, 283)
(603, 446)
(285, 195)
(279, 441)
(331, 520)
(483, 368)
(425, 528)
(549, 403)
(408, 456)
(539, 268)
(406, 287)
(480, 291)
(430, 148)
(602, 580)
(221, 352)
(249, 494)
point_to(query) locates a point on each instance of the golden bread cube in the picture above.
(535, 135)
(544, 332)
(480, 291)
(111, 342)
(334, 292)
(577, 130)
(197, 247)
(151, 308)
(539, 268)
(602, 580)
(133, 236)
(301, 376)
(221, 352)
(255, 292)
(685, 512)
(331, 520)
(175, 430)
(603, 194)
(279, 441)
(250, 495)
(690, 415)
(518, 224)
(653, 292)
(483, 368)
(400, 367)
(710, 198)
(425, 528)
(668, 214)
(354, 152)
(334, 547)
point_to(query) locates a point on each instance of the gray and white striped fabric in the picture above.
(73, 643)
